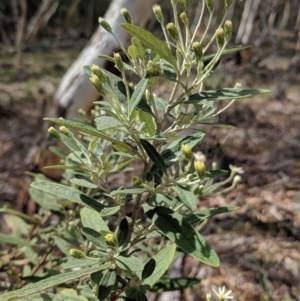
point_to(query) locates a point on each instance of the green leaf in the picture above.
(138, 94)
(92, 219)
(106, 284)
(51, 282)
(124, 147)
(129, 263)
(81, 127)
(53, 297)
(212, 174)
(139, 47)
(173, 151)
(94, 237)
(163, 259)
(122, 231)
(180, 231)
(167, 284)
(223, 94)
(226, 51)
(128, 191)
(83, 182)
(120, 92)
(152, 42)
(158, 199)
(221, 125)
(148, 268)
(107, 122)
(109, 211)
(154, 155)
(207, 213)
(68, 193)
(140, 296)
(149, 122)
(186, 196)
(72, 263)
(13, 240)
(132, 51)
(67, 167)
(45, 200)
(62, 244)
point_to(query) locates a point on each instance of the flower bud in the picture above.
(210, 5)
(54, 133)
(208, 297)
(110, 239)
(184, 18)
(119, 62)
(65, 131)
(220, 37)
(98, 84)
(137, 182)
(236, 180)
(198, 50)
(77, 254)
(200, 169)
(227, 30)
(228, 3)
(158, 14)
(126, 15)
(172, 31)
(182, 4)
(101, 75)
(187, 152)
(153, 70)
(105, 25)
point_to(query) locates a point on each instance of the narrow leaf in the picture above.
(79, 263)
(92, 219)
(152, 42)
(120, 92)
(163, 259)
(207, 213)
(106, 284)
(45, 200)
(126, 191)
(167, 284)
(226, 51)
(62, 244)
(83, 182)
(186, 196)
(68, 193)
(174, 149)
(149, 122)
(50, 282)
(154, 155)
(180, 231)
(81, 127)
(107, 122)
(109, 211)
(122, 231)
(149, 268)
(130, 263)
(138, 93)
(94, 237)
(223, 94)
(13, 240)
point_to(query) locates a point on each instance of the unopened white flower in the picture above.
(199, 156)
(222, 295)
(236, 169)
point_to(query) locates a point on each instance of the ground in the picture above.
(258, 245)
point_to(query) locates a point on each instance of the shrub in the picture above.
(118, 242)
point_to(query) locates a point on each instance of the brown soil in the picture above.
(259, 244)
